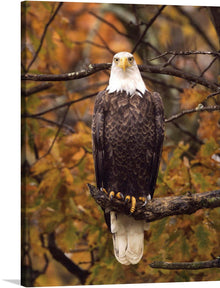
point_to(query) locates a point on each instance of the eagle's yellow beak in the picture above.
(124, 63)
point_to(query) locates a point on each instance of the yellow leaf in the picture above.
(67, 176)
(191, 97)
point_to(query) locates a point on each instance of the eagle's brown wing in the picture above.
(159, 136)
(98, 138)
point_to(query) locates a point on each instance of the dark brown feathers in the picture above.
(128, 133)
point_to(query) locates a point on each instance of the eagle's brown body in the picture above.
(128, 131)
(128, 134)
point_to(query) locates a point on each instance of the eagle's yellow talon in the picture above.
(133, 204)
(127, 199)
(143, 199)
(104, 190)
(111, 195)
(119, 196)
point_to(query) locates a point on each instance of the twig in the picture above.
(180, 74)
(105, 44)
(57, 133)
(35, 89)
(188, 133)
(59, 256)
(148, 25)
(186, 53)
(89, 42)
(196, 26)
(65, 126)
(186, 265)
(159, 208)
(207, 68)
(43, 35)
(212, 95)
(26, 115)
(162, 83)
(189, 111)
(109, 24)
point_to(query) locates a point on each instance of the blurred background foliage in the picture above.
(57, 160)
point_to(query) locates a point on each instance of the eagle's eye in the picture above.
(116, 60)
(130, 60)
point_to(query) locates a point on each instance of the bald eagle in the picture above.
(127, 133)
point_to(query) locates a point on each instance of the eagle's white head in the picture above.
(125, 75)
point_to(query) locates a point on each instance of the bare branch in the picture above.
(57, 133)
(59, 256)
(188, 133)
(109, 24)
(93, 68)
(148, 25)
(65, 126)
(159, 208)
(180, 74)
(162, 83)
(26, 115)
(212, 95)
(189, 111)
(186, 265)
(207, 68)
(36, 89)
(43, 35)
(196, 26)
(105, 44)
(186, 53)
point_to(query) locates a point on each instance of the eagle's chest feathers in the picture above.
(127, 108)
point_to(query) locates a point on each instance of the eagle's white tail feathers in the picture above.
(128, 238)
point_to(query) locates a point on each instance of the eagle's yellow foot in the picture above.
(131, 199)
(104, 190)
(119, 196)
(127, 199)
(145, 199)
(111, 195)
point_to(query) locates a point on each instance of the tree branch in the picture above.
(196, 26)
(159, 208)
(44, 34)
(36, 89)
(189, 111)
(186, 53)
(94, 68)
(59, 256)
(26, 115)
(186, 265)
(64, 126)
(148, 25)
(91, 69)
(180, 74)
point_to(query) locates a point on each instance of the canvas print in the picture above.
(120, 143)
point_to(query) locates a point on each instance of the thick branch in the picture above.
(159, 208)
(186, 265)
(93, 68)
